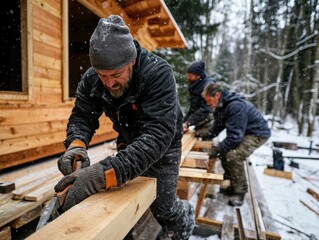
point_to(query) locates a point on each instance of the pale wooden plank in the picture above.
(46, 190)
(202, 193)
(13, 209)
(277, 173)
(49, 7)
(47, 50)
(187, 148)
(34, 114)
(228, 231)
(198, 154)
(27, 155)
(47, 23)
(5, 233)
(30, 142)
(48, 74)
(193, 176)
(267, 219)
(105, 213)
(31, 186)
(26, 218)
(194, 163)
(41, 60)
(26, 129)
(203, 144)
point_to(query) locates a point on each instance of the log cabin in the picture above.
(44, 47)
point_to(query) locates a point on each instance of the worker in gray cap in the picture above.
(137, 91)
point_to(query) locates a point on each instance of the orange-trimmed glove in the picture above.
(77, 149)
(86, 182)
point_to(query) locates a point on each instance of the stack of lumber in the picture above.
(193, 167)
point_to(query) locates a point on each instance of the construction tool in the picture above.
(53, 209)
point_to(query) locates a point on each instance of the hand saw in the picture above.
(53, 209)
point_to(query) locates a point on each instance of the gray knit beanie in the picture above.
(111, 44)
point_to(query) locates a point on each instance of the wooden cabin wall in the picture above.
(33, 122)
(34, 128)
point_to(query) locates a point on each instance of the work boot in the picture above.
(229, 191)
(236, 200)
(164, 236)
(226, 191)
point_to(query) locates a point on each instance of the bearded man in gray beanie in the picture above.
(137, 91)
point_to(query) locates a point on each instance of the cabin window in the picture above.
(13, 48)
(82, 23)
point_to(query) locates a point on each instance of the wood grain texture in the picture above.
(106, 215)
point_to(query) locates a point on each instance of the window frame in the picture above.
(26, 56)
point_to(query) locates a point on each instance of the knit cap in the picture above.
(111, 44)
(197, 68)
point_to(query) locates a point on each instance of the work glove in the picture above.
(185, 127)
(214, 152)
(85, 182)
(77, 149)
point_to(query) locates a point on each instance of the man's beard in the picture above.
(120, 90)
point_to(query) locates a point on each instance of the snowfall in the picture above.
(284, 197)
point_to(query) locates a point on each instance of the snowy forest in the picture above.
(267, 50)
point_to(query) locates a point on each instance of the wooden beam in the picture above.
(194, 163)
(201, 177)
(26, 218)
(5, 233)
(277, 173)
(313, 193)
(158, 21)
(309, 207)
(6, 187)
(250, 234)
(203, 144)
(202, 193)
(271, 231)
(108, 215)
(142, 16)
(227, 232)
(127, 3)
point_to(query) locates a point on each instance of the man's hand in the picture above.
(76, 149)
(86, 182)
(214, 152)
(186, 127)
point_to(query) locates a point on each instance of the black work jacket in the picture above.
(198, 109)
(148, 117)
(240, 118)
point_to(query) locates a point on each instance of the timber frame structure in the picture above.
(33, 119)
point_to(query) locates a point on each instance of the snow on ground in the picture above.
(293, 220)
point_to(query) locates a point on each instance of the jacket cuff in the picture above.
(110, 178)
(77, 143)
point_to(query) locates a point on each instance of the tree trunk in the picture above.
(315, 84)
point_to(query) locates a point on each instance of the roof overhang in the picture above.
(150, 21)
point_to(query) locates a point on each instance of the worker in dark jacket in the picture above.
(199, 113)
(136, 90)
(246, 130)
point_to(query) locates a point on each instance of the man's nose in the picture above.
(108, 81)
